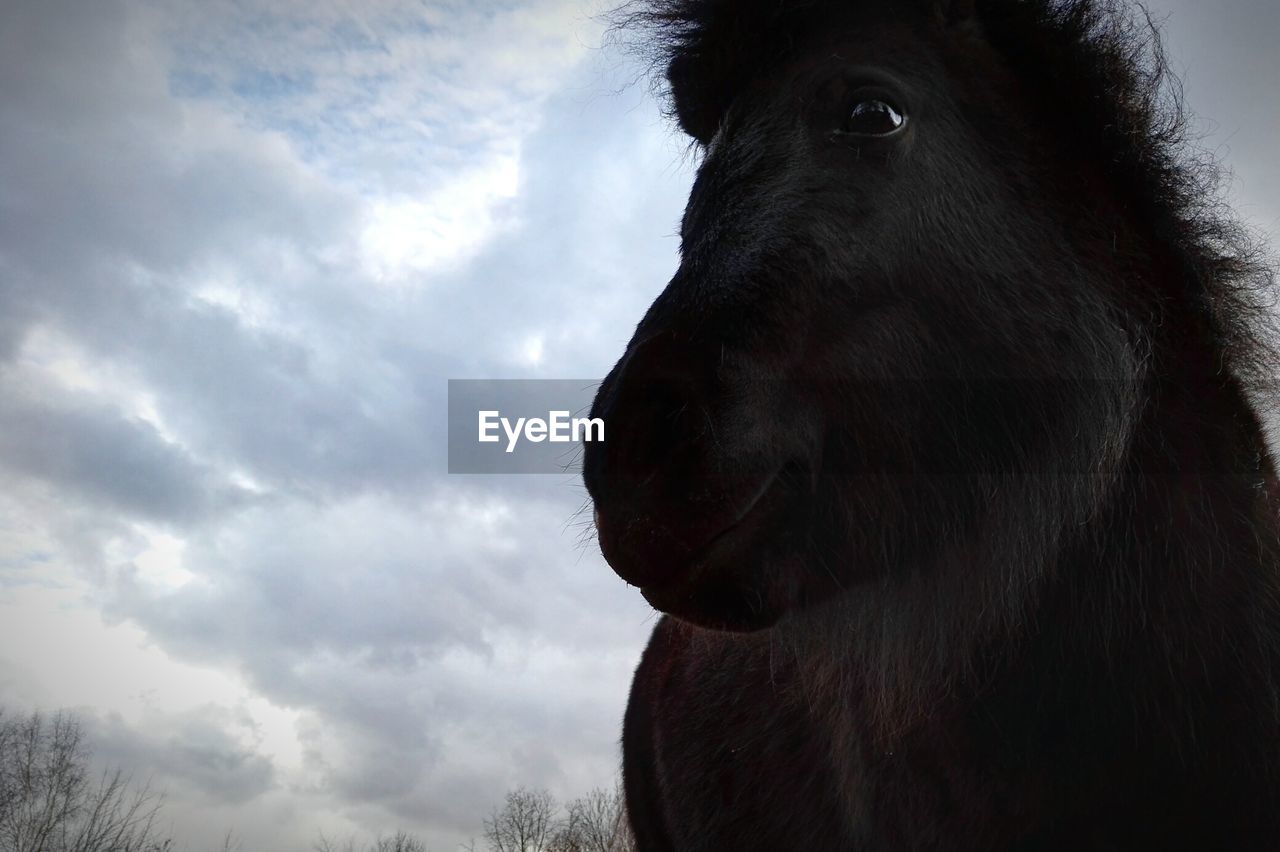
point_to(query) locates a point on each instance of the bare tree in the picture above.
(324, 844)
(624, 839)
(231, 843)
(398, 842)
(567, 836)
(114, 816)
(525, 823)
(597, 822)
(49, 804)
(401, 841)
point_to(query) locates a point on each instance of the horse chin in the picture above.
(724, 604)
(743, 580)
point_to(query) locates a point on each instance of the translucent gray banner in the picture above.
(520, 425)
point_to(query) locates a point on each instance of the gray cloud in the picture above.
(110, 460)
(197, 753)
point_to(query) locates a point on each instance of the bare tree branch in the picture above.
(525, 823)
(47, 803)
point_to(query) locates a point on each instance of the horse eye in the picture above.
(874, 118)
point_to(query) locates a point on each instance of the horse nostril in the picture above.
(656, 409)
(647, 478)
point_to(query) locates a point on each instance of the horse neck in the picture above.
(1181, 555)
(1179, 573)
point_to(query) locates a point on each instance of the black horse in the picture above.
(942, 449)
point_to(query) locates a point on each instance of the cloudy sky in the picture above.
(243, 246)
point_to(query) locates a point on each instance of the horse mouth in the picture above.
(724, 568)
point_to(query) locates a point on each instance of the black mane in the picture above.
(1101, 64)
